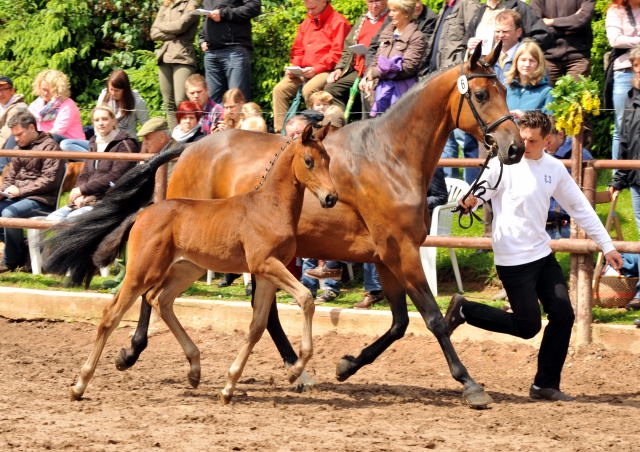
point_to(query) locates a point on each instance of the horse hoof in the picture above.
(224, 398)
(194, 379)
(345, 368)
(476, 397)
(304, 383)
(124, 360)
(75, 394)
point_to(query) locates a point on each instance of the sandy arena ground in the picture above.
(405, 401)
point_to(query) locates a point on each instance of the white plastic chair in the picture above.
(441, 222)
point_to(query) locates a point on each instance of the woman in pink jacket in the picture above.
(54, 110)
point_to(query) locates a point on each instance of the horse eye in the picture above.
(481, 96)
(308, 161)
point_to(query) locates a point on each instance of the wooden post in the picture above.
(576, 173)
(584, 315)
(160, 187)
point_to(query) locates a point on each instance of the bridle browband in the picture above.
(478, 188)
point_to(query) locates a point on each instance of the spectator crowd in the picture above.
(340, 71)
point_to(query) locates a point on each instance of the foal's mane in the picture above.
(272, 163)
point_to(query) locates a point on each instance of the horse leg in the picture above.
(264, 292)
(409, 266)
(127, 357)
(111, 317)
(281, 341)
(180, 277)
(276, 272)
(396, 295)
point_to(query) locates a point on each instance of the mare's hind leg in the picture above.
(127, 357)
(264, 293)
(111, 317)
(396, 295)
(179, 278)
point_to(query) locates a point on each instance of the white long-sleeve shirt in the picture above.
(521, 203)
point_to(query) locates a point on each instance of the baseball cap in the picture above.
(6, 81)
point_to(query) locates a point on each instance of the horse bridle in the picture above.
(478, 188)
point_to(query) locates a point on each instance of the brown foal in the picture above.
(172, 243)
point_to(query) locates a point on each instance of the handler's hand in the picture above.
(614, 259)
(468, 204)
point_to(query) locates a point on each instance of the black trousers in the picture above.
(526, 284)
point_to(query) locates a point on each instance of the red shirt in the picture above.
(319, 40)
(365, 35)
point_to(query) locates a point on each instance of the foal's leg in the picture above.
(276, 272)
(111, 317)
(264, 293)
(127, 357)
(179, 278)
(396, 295)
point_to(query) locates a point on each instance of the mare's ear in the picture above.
(492, 58)
(475, 56)
(307, 134)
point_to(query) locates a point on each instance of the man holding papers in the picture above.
(316, 50)
(352, 61)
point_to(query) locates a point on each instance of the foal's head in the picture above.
(311, 165)
(488, 97)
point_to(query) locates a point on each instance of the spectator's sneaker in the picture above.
(324, 272)
(327, 296)
(453, 318)
(552, 394)
(633, 305)
(370, 298)
(4, 268)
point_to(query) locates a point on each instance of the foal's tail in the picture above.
(72, 248)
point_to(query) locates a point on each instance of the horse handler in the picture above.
(525, 264)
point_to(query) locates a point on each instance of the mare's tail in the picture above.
(71, 249)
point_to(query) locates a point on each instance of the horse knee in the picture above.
(437, 326)
(398, 329)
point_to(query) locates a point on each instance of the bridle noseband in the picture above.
(478, 188)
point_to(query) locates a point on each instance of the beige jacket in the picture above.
(452, 46)
(410, 45)
(16, 106)
(176, 25)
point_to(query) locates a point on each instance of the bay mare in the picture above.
(173, 242)
(381, 169)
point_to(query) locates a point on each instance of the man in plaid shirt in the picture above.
(195, 88)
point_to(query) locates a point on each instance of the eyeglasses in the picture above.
(375, 1)
(505, 32)
(6, 88)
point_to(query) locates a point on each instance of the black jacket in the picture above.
(572, 27)
(426, 23)
(98, 176)
(532, 25)
(437, 194)
(234, 27)
(629, 141)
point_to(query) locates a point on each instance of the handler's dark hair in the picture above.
(533, 119)
(23, 119)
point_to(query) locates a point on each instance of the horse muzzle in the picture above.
(329, 200)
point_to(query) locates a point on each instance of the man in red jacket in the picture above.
(316, 50)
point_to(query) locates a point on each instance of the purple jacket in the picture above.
(389, 90)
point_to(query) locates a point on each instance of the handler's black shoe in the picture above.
(552, 394)
(453, 318)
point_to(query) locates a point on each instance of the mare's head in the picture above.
(311, 165)
(480, 107)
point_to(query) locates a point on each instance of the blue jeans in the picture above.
(15, 251)
(469, 146)
(228, 68)
(635, 204)
(313, 284)
(75, 145)
(66, 212)
(621, 86)
(371, 278)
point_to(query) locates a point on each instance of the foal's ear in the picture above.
(475, 56)
(322, 133)
(307, 134)
(492, 58)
